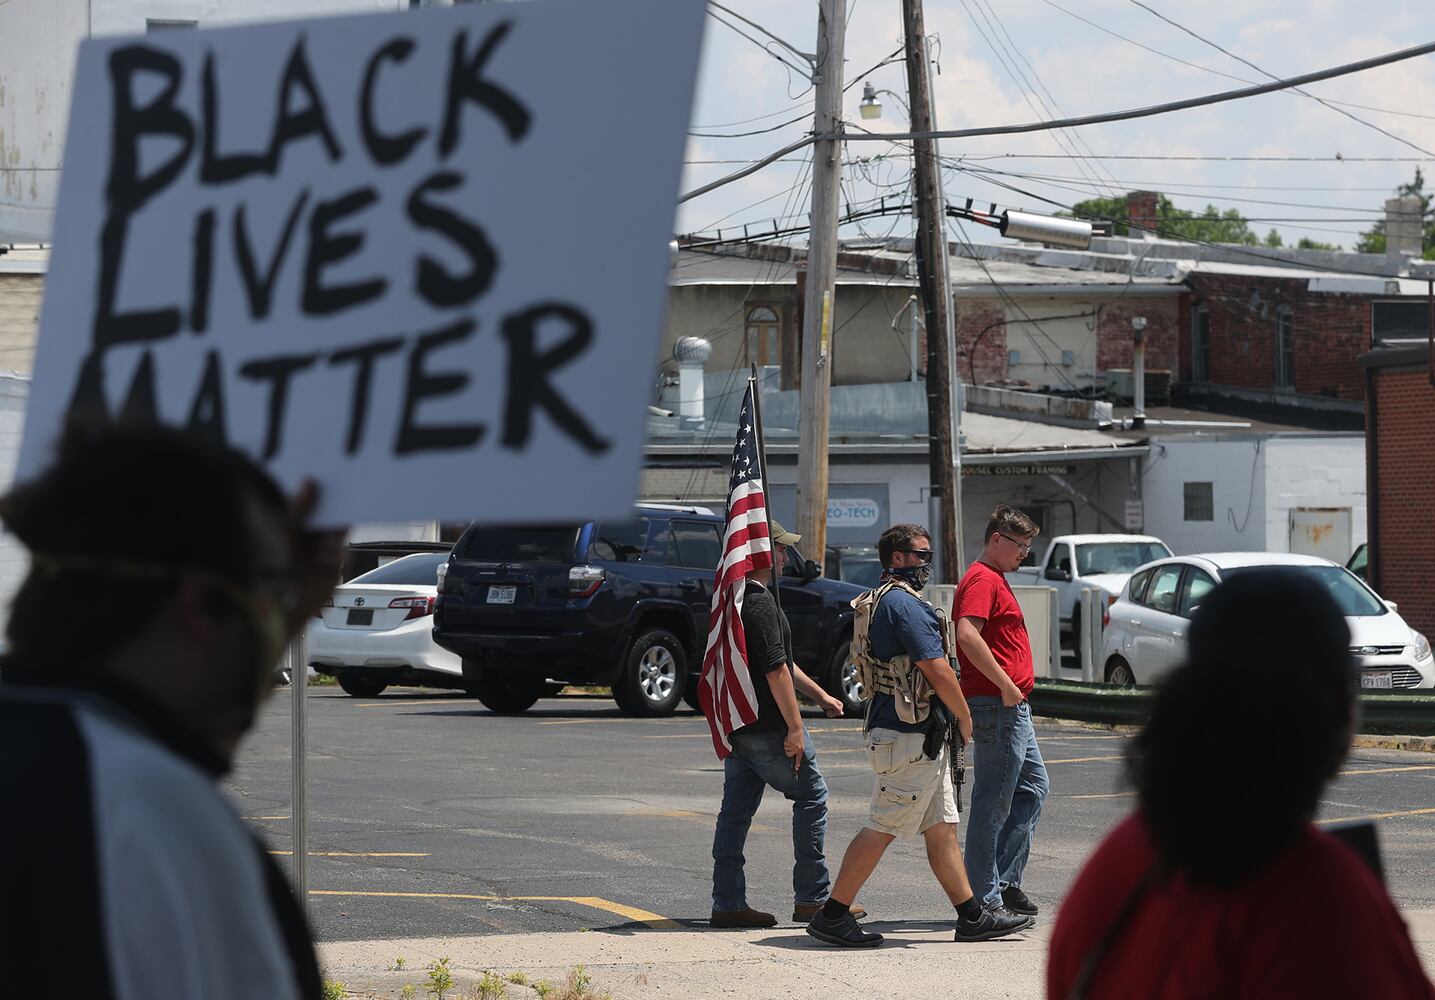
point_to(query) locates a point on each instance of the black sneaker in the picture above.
(993, 923)
(845, 932)
(1016, 901)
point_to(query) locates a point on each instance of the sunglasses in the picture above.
(925, 554)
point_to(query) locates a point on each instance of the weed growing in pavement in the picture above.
(440, 978)
(398, 964)
(490, 987)
(518, 978)
(543, 988)
(408, 992)
(334, 990)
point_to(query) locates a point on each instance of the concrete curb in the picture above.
(1418, 744)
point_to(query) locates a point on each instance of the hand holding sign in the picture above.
(362, 249)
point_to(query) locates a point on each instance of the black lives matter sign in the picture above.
(420, 257)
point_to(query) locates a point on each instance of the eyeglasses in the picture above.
(1024, 547)
(925, 554)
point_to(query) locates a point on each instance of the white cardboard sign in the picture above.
(419, 257)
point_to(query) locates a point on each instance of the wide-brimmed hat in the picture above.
(782, 536)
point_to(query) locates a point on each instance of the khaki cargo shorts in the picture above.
(912, 793)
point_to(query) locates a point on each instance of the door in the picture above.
(803, 605)
(1321, 531)
(1157, 630)
(693, 553)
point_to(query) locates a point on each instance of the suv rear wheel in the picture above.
(845, 683)
(654, 674)
(361, 685)
(504, 694)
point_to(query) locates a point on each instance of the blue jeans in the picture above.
(756, 762)
(1009, 785)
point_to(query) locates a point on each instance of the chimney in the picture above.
(1404, 227)
(1141, 214)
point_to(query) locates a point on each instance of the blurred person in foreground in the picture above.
(167, 576)
(1220, 885)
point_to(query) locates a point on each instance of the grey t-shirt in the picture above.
(769, 648)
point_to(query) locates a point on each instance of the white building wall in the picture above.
(1232, 465)
(1257, 480)
(1325, 471)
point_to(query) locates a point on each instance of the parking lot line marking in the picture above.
(1104, 795)
(409, 701)
(358, 854)
(266, 817)
(596, 902)
(1389, 815)
(1083, 760)
(1392, 770)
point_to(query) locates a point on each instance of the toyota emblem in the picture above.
(358, 602)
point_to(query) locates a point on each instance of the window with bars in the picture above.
(1200, 502)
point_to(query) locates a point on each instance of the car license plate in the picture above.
(502, 595)
(361, 616)
(1376, 679)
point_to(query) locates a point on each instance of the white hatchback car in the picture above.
(377, 630)
(1145, 629)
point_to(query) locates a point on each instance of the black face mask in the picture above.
(915, 577)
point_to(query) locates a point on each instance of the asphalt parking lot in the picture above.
(430, 816)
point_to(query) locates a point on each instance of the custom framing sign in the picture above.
(419, 257)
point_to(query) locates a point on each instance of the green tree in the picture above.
(1372, 240)
(1210, 226)
(1308, 244)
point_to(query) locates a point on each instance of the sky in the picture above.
(1002, 62)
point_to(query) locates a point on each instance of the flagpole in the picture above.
(756, 387)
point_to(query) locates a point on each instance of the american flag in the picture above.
(725, 689)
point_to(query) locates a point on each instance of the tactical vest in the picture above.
(899, 676)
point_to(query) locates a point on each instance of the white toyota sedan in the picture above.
(377, 630)
(1145, 629)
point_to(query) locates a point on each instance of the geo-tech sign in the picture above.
(420, 257)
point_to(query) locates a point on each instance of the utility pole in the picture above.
(817, 320)
(932, 263)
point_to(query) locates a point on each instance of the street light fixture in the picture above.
(871, 108)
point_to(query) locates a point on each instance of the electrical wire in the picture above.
(1304, 93)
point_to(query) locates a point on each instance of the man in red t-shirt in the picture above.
(1009, 783)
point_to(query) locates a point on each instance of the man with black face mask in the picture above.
(905, 638)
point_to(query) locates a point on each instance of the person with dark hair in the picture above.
(167, 576)
(1009, 782)
(1220, 885)
(903, 646)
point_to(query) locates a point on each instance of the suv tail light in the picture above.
(1106, 612)
(441, 575)
(584, 581)
(419, 607)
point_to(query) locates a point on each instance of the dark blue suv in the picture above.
(624, 604)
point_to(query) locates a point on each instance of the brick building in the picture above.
(1400, 460)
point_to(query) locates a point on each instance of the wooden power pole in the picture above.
(932, 262)
(818, 311)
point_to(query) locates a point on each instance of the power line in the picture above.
(1320, 100)
(1113, 116)
(1216, 72)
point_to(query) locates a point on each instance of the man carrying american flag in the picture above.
(749, 691)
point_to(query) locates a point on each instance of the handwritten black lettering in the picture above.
(424, 385)
(310, 119)
(529, 369)
(385, 149)
(363, 358)
(279, 372)
(127, 190)
(466, 83)
(435, 283)
(327, 248)
(206, 415)
(215, 167)
(260, 288)
(202, 271)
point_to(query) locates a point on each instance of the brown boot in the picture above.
(746, 917)
(802, 912)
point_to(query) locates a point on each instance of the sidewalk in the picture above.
(918, 961)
